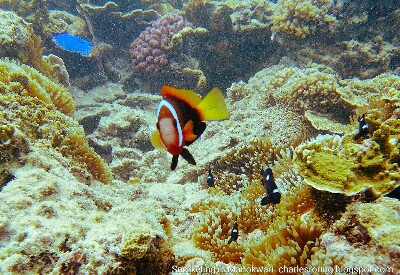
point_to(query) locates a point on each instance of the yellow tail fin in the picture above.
(156, 141)
(213, 107)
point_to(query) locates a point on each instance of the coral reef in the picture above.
(319, 94)
(75, 156)
(367, 233)
(158, 53)
(40, 110)
(115, 23)
(28, 81)
(148, 50)
(20, 43)
(285, 235)
(120, 133)
(15, 35)
(343, 165)
(62, 21)
(368, 59)
(83, 229)
(34, 11)
(302, 18)
(58, 72)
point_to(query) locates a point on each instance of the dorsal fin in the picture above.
(188, 96)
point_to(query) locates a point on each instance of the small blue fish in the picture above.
(73, 43)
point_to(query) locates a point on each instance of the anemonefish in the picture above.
(363, 127)
(181, 115)
(234, 232)
(272, 194)
(210, 178)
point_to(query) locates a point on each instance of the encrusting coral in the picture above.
(15, 34)
(41, 110)
(368, 234)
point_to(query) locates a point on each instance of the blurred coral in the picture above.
(34, 11)
(301, 18)
(15, 35)
(112, 21)
(63, 21)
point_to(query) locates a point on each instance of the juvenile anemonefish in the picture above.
(234, 232)
(363, 127)
(181, 115)
(210, 178)
(272, 194)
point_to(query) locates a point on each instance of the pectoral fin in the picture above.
(188, 132)
(156, 141)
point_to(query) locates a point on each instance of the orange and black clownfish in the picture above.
(181, 115)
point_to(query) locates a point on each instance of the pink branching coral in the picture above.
(150, 50)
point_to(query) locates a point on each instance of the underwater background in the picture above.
(313, 91)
